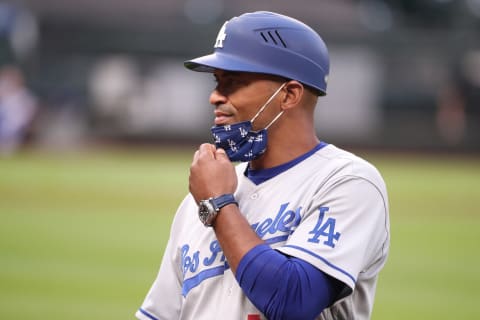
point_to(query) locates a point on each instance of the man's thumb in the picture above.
(220, 153)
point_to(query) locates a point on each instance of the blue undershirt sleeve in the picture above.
(284, 287)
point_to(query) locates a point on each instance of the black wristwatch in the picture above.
(209, 208)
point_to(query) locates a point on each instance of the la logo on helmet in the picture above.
(221, 36)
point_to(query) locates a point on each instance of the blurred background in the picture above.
(99, 120)
(405, 74)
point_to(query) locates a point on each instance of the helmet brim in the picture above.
(221, 61)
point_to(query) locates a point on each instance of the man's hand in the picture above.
(211, 173)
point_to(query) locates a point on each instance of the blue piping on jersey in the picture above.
(323, 259)
(147, 314)
(276, 239)
(192, 282)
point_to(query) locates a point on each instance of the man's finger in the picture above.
(207, 149)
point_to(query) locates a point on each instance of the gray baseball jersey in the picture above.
(330, 210)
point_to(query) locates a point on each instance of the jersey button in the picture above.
(254, 196)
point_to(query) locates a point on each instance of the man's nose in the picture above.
(217, 98)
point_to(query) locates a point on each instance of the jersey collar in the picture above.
(262, 175)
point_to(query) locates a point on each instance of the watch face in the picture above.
(206, 212)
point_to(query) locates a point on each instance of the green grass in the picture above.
(432, 271)
(82, 235)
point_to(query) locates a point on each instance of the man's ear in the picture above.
(294, 93)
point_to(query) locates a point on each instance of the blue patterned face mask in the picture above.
(239, 140)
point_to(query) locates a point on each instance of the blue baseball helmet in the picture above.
(269, 43)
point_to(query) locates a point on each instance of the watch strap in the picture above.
(222, 201)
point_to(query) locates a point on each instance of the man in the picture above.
(17, 109)
(299, 229)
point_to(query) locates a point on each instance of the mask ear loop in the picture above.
(266, 104)
(274, 119)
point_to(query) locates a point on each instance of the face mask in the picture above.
(239, 140)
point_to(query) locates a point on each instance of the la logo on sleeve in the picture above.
(325, 228)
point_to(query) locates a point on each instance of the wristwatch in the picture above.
(209, 208)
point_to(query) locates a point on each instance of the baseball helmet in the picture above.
(269, 43)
